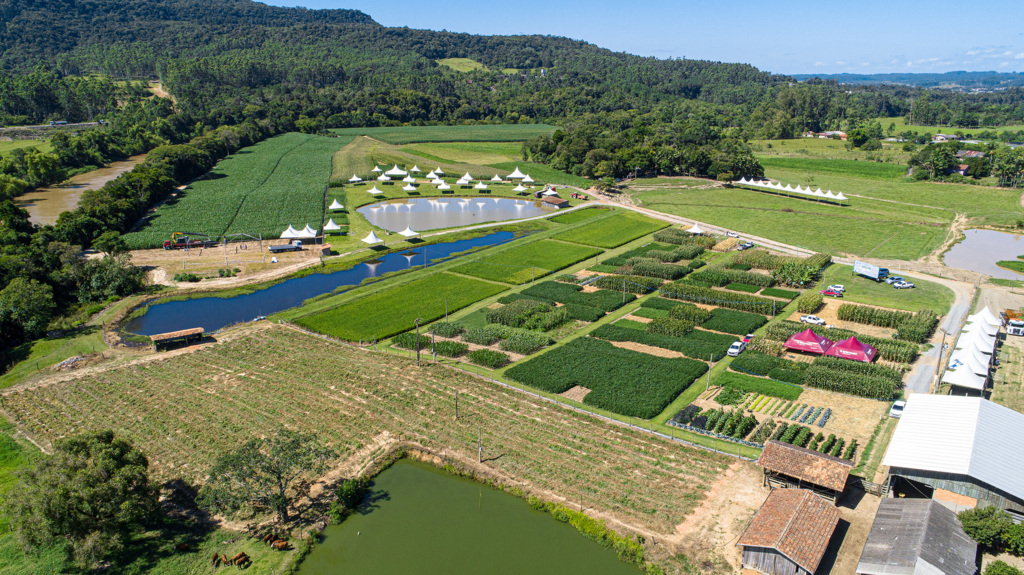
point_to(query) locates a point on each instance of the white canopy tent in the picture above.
(374, 191)
(407, 232)
(986, 315)
(290, 233)
(376, 170)
(467, 177)
(336, 205)
(431, 175)
(965, 360)
(416, 169)
(396, 171)
(383, 178)
(981, 326)
(964, 378)
(481, 186)
(496, 179)
(371, 239)
(462, 182)
(971, 342)
(330, 226)
(409, 179)
(438, 171)
(516, 174)
(444, 186)
(549, 193)
(355, 179)
(519, 188)
(527, 179)
(695, 229)
(409, 188)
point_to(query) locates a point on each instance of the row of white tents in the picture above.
(372, 238)
(293, 234)
(778, 187)
(971, 359)
(434, 176)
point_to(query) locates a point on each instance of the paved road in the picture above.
(923, 375)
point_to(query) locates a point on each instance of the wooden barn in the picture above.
(555, 201)
(789, 466)
(173, 338)
(789, 534)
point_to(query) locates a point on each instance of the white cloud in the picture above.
(819, 63)
(840, 63)
(972, 52)
(1019, 56)
(910, 64)
(1003, 64)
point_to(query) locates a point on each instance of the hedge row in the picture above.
(489, 358)
(682, 237)
(706, 295)
(629, 284)
(851, 383)
(690, 312)
(528, 314)
(735, 322)
(566, 293)
(872, 316)
(780, 293)
(720, 276)
(670, 326)
(810, 302)
(872, 369)
(695, 344)
(650, 267)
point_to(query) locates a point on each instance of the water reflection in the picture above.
(981, 249)
(422, 214)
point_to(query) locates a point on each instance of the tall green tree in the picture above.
(92, 495)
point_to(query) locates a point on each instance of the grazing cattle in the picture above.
(215, 561)
(182, 547)
(224, 559)
(241, 560)
(269, 537)
(280, 545)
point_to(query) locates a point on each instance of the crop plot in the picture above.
(612, 231)
(186, 410)
(395, 309)
(526, 262)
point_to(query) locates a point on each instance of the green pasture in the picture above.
(827, 149)
(8, 147)
(865, 227)
(544, 173)
(612, 231)
(394, 310)
(469, 133)
(43, 353)
(524, 262)
(926, 294)
(462, 64)
(482, 153)
(579, 216)
(853, 168)
(901, 126)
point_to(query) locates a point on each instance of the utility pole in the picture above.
(479, 446)
(456, 406)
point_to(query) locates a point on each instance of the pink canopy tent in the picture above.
(852, 349)
(808, 341)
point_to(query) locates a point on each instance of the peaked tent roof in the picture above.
(407, 232)
(980, 326)
(695, 229)
(444, 186)
(409, 188)
(808, 341)
(371, 239)
(330, 225)
(965, 360)
(797, 523)
(549, 193)
(374, 191)
(852, 349)
(336, 205)
(963, 436)
(396, 171)
(964, 377)
(415, 169)
(376, 169)
(409, 179)
(438, 170)
(917, 536)
(467, 177)
(384, 178)
(431, 175)
(355, 178)
(516, 174)
(289, 233)
(481, 186)
(990, 317)
(527, 179)
(519, 188)
(308, 232)
(496, 178)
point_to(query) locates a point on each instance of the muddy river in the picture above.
(45, 204)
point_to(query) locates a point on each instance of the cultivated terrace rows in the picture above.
(185, 411)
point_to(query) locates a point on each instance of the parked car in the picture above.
(748, 337)
(732, 234)
(837, 287)
(813, 319)
(831, 293)
(736, 348)
(897, 409)
(903, 285)
(745, 246)
(893, 279)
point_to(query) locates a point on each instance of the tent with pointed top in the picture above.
(695, 229)
(964, 377)
(853, 350)
(431, 175)
(519, 188)
(809, 342)
(371, 239)
(438, 171)
(383, 178)
(289, 233)
(516, 174)
(840, 196)
(527, 179)
(409, 179)
(496, 179)
(374, 191)
(330, 226)
(376, 170)
(408, 232)
(416, 169)
(409, 188)
(355, 179)
(467, 177)
(462, 182)
(336, 205)
(396, 171)
(481, 186)
(987, 316)
(308, 232)
(443, 186)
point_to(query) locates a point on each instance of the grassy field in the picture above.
(865, 227)
(901, 126)
(259, 190)
(926, 294)
(612, 231)
(395, 309)
(353, 399)
(525, 262)
(854, 168)
(8, 147)
(579, 216)
(42, 353)
(821, 148)
(545, 173)
(462, 64)
(471, 133)
(481, 153)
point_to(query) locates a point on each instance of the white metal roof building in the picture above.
(965, 445)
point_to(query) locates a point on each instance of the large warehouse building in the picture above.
(961, 451)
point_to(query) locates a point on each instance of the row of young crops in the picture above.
(915, 327)
(828, 373)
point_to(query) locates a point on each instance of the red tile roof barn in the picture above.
(805, 465)
(796, 523)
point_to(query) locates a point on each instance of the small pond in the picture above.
(981, 249)
(422, 214)
(44, 205)
(213, 313)
(418, 520)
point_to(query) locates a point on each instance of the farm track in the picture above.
(186, 410)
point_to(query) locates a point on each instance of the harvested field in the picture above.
(185, 411)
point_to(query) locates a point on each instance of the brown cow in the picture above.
(224, 559)
(280, 545)
(215, 561)
(182, 547)
(241, 560)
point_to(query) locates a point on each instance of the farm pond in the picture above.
(420, 520)
(422, 214)
(212, 313)
(981, 249)
(44, 205)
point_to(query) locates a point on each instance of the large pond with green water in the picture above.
(419, 520)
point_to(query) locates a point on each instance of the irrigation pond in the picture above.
(981, 249)
(420, 520)
(213, 313)
(423, 214)
(44, 205)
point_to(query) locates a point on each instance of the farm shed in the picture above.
(917, 536)
(185, 337)
(556, 201)
(789, 534)
(787, 465)
(962, 451)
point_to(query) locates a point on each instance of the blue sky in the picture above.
(789, 37)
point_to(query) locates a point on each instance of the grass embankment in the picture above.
(43, 353)
(926, 294)
(1016, 265)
